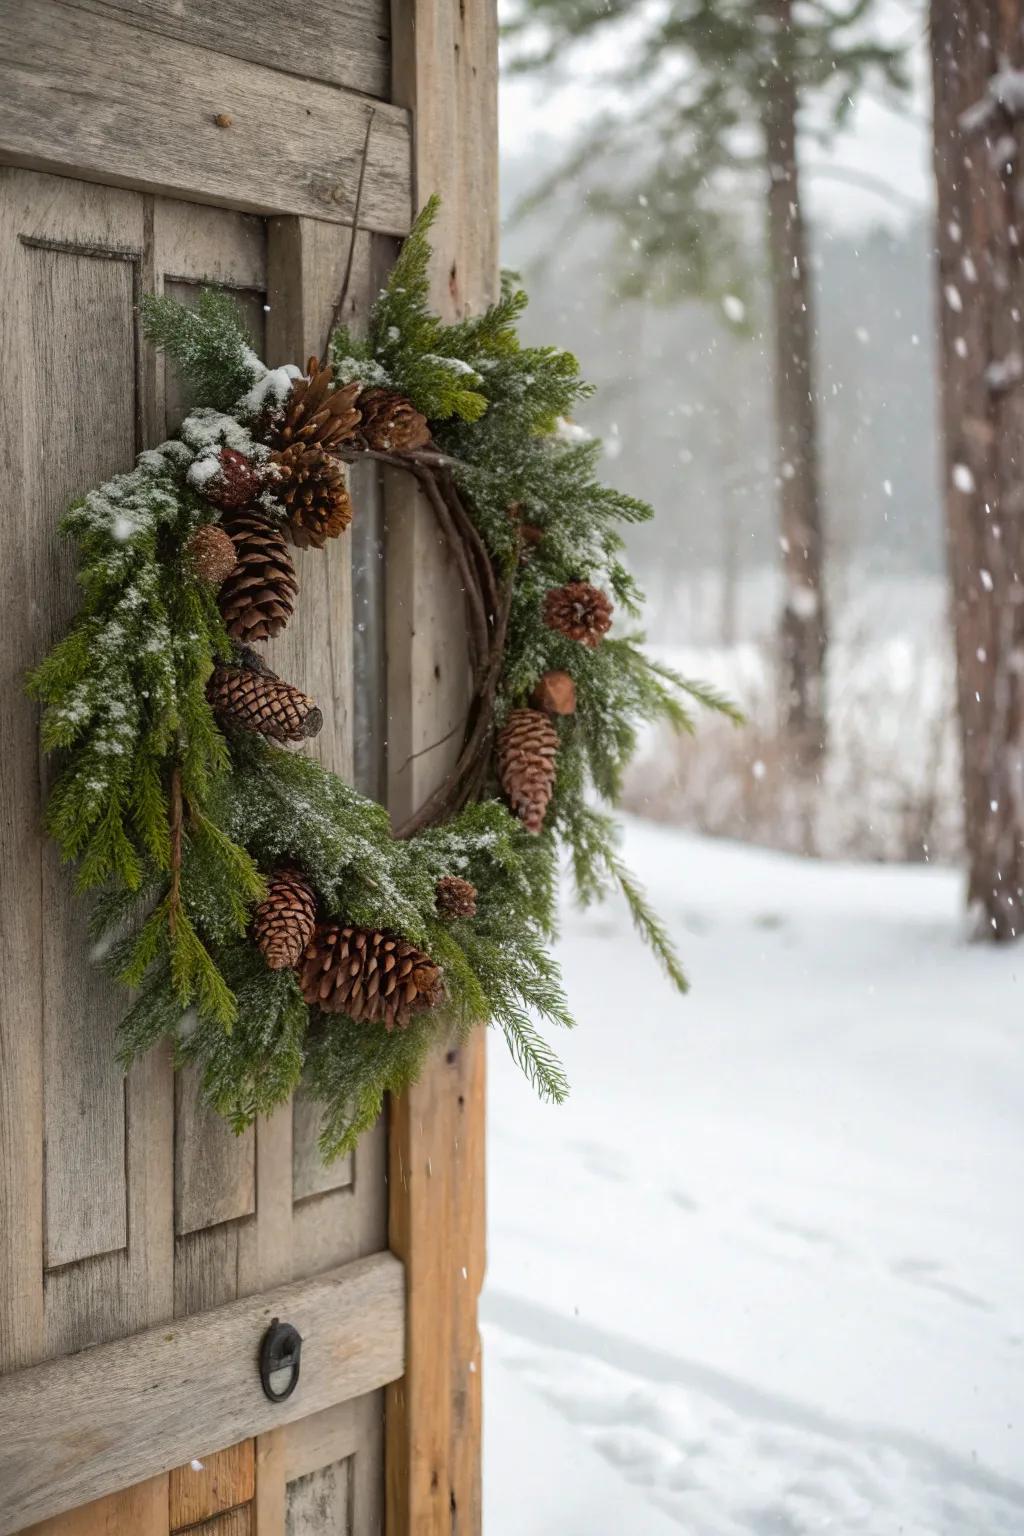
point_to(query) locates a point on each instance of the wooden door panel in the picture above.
(85, 92)
(300, 36)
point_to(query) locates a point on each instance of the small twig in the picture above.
(478, 626)
(430, 458)
(175, 819)
(343, 295)
(432, 746)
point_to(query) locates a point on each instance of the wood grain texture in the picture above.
(214, 1170)
(445, 71)
(350, 1436)
(236, 1522)
(137, 1511)
(69, 254)
(81, 338)
(88, 94)
(314, 39)
(131, 1410)
(21, 917)
(312, 1176)
(320, 1501)
(209, 1486)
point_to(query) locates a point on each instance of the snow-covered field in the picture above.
(764, 1273)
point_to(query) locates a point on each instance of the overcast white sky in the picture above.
(886, 146)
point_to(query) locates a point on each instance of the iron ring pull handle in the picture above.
(280, 1350)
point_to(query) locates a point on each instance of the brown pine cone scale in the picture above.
(391, 423)
(527, 748)
(283, 923)
(455, 897)
(309, 484)
(316, 412)
(258, 701)
(579, 611)
(368, 975)
(258, 597)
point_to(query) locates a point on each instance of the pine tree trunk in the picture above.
(803, 631)
(980, 178)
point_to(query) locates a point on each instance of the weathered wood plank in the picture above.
(312, 1175)
(445, 70)
(351, 1432)
(214, 1170)
(130, 1410)
(206, 1265)
(21, 916)
(89, 95)
(311, 38)
(269, 1505)
(207, 1487)
(237, 1522)
(140, 1511)
(320, 1501)
(81, 338)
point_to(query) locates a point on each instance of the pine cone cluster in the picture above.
(308, 477)
(455, 897)
(253, 698)
(283, 923)
(211, 554)
(310, 485)
(391, 423)
(316, 413)
(527, 747)
(368, 975)
(258, 596)
(579, 611)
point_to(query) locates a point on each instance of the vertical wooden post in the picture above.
(445, 70)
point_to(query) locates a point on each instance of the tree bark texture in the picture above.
(980, 181)
(803, 628)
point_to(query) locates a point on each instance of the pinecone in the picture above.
(391, 423)
(283, 923)
(310, 485)
(527, 747)
(455, 897)
(211, 554)
(368, 975)
(253, 698)
(236, 482)
(257, 599)
(555, 693)
(316, 413)
(579, 611)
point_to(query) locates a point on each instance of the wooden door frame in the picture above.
(444, 63)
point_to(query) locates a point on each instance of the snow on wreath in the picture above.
(272, 922)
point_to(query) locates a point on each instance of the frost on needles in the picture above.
(175, 821)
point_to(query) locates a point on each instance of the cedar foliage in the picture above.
(142, 755)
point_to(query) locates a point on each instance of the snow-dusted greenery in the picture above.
(125, 704)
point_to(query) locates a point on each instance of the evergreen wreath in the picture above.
(268, 918)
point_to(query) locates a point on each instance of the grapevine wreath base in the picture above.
(266, 914)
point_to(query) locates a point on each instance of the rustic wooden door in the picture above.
(163, 145)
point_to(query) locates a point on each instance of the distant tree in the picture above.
(978, 76)
(704, 111)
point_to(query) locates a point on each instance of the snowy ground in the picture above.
(762, 1274)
